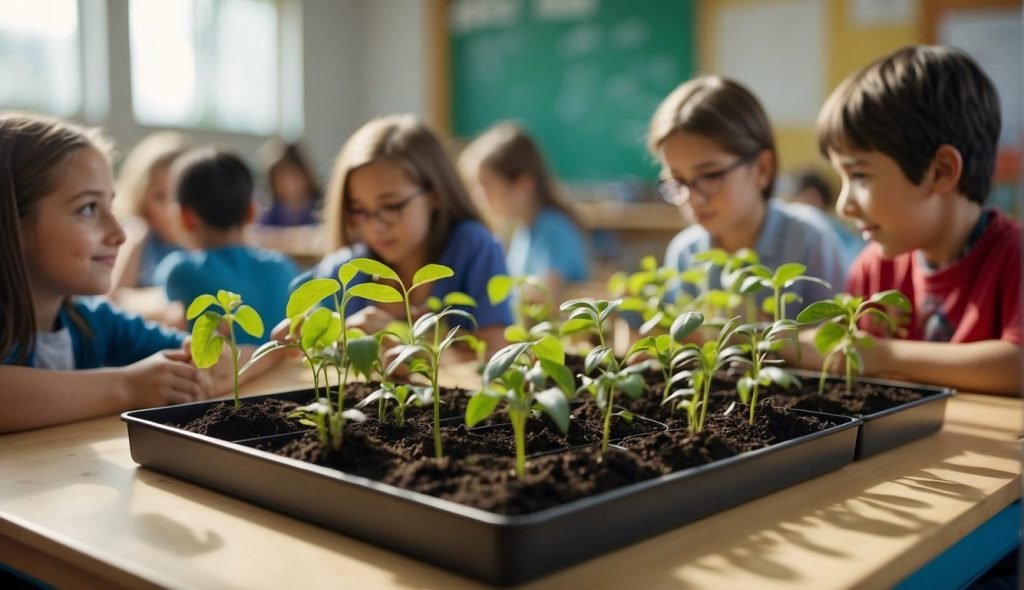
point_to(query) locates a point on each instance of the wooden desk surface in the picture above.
(76, 510)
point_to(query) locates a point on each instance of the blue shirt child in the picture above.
(260, 276)
(551, 243)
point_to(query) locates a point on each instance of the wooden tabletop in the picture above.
(75, 510)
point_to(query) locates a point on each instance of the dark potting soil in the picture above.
(478, 468)
(227, 422)
(862, 400)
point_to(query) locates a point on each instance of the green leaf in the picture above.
(346, 273)
(403, 354)
(617, 284)
(744, 386)
(819, 311)
(636, 304)
(595, 358)
(263, 350)
(632, 385)
(646, 344)
(891, 297)
(480, 406)
(498, 288)
(503, 360)
(652, 323)
(780, 377)
(549, 348)
(516, 333)
(648, 263)
(459, 298)
(375, 268)
(228, 300)
(199, 305)
(207, 343)
(320, 329)
(308, 295)
(553, 403)
(685, 324)
(787, 272)
(424, 324)
(430, 273)
(375, 292)
(575, 325)
(828, 337)
(249, 320)
(581, 303)
(434, 304)
(561, 375)
(363, 352)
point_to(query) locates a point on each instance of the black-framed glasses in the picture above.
(386, 215)
(675, 191)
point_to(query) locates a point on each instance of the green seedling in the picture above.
(839, 338)
(328, 422)
(784, 277)
(527, 312)
(207, 342)
(707, 360)
(761, 342)
(648, 292)
(665, 348)
(510, 378)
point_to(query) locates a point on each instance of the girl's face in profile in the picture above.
(715, 188)
(160, 207)
(71, 239)
(389, 212)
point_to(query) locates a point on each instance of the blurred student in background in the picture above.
(719, 164)
(394, 196)
(214, 189)
(812, 189)
(148, 211)
(294, 190)
(506, 166)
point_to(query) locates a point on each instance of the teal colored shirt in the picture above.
(114, 338)
(552, 243)
(260, 276)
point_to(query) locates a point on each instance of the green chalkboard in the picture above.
(583, 76)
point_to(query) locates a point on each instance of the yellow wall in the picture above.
(848, 49)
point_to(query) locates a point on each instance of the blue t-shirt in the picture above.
(471, 251)
(260, 276)
(280, 215)
(790, 233)
(115, 338)
(552, 243)
(154, 250)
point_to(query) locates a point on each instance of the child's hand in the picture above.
(161, 379)
(370, 319)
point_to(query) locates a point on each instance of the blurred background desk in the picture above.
(76, 511)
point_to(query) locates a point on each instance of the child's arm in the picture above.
(987, 366)
(33, 398)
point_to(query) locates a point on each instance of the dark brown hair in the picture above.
(33, 149)
(721, 110)
(215, 184)
(509, 152)
(158, 150)
(910, 103)
(409, 144)
(277, 153)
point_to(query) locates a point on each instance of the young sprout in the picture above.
(532, 301)
(649, 292)
(423, 337)
(760, 343)
(665, 348)
(207, 343)
(840, 337)
(784, 277)
(509, 377)
(707, 359)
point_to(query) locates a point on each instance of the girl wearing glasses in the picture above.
(719, 164)
(395, 196)
(505, 165)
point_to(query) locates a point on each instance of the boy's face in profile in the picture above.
(885, 205)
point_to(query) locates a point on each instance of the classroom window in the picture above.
(40, 68)
(206, 63)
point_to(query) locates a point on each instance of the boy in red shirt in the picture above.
(914, 138)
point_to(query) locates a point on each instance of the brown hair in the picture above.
(509, 152)
(408, 143)
(33, 149)
(907, 104)
(277, 153)
(154, 152)
(720, 109)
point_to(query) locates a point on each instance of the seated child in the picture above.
(507, 167)
(214, 189)
(719, 164)
(294, 191)
(914, 138)
(814, 191)
(65, 356)
(395, 196)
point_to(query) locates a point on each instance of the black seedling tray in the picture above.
(492, 547)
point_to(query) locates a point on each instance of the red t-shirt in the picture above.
(975, 298)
